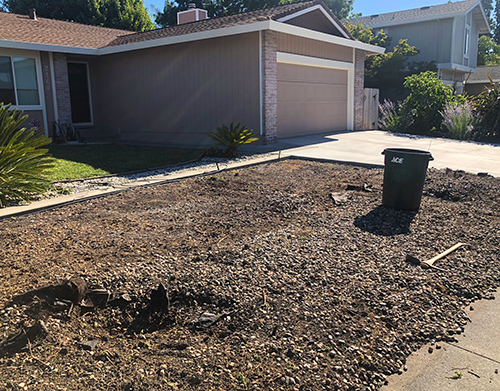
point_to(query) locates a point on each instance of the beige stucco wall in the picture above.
(178, 94)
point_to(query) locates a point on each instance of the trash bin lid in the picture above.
(408, 152)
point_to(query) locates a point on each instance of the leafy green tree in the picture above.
(427, 99)
(168, 16)
(495, 22)
(388, 71)
(121, 14)
(488, 7)
(22, 162)
(488, 52)
(368, 35)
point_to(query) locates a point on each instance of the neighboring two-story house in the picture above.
(447, 34)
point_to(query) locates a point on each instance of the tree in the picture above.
(121, 14)
(488, 52)
(388, 71)
(427, 99)
(368, 35)
(215, 8)
(488, 7)
(495, 23)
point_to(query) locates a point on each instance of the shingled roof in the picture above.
(20, 28)
(482, 72)
(272, 13)
(434, 11)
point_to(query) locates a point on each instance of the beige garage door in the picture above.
(311, 100)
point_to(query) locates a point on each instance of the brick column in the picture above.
(270, 86)
(62, 88)
(359, 95)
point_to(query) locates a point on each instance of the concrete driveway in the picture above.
(366, 146)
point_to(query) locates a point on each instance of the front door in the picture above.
(79, 92)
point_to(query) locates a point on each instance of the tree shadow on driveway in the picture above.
(383, 221)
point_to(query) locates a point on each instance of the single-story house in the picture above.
(445, 33)
(283, 71)
(476, 82)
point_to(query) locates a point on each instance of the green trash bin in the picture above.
(404, 176)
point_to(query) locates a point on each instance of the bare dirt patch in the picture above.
(248, 279)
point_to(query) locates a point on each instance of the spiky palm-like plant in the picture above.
(22, 161)
(233, 137)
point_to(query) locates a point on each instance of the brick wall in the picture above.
(270, 87)
(62, 88)
(359, 80)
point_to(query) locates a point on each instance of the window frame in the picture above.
(38, 68)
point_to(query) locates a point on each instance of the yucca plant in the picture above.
(232, 137)
(487, 105)
(22, 161)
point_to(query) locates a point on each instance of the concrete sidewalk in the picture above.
(472, 364)
(365, 147)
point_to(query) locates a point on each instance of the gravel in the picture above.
(270, 284)
(115, 181)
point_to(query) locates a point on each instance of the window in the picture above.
(467, 41)
(18, 81)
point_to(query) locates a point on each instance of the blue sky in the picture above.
(366, 7)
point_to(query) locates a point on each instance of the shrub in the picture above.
(428, 97)
(233, 137)
(487, 106)
(395, 117)
(460, 120)
(22, 162)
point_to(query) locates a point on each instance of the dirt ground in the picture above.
(248, 279)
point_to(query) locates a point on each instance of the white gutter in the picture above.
(47, 48)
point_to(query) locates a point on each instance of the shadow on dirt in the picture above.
(383, 221)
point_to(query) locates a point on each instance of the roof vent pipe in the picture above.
(32, 13)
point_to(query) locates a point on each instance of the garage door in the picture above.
(311, 100)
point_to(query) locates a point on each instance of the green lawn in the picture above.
(85, 161)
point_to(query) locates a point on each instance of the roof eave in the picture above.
(8, 44)
(484, 29)
(303, 32)
(486, 26)
(226, 31)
